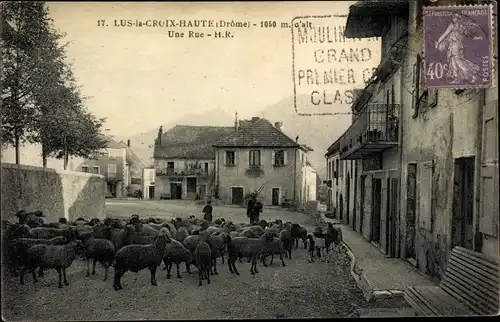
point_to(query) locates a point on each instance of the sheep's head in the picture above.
(21, 231)
(94, 221)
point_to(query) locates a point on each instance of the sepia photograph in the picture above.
(167, 160)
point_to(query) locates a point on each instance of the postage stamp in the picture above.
(327, 66)
(458, 47)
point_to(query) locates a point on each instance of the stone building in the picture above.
(260, 157)
(184, 159)
(429, 180)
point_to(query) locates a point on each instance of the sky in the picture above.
(139, 78)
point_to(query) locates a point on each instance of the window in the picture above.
(230, 158)
(254, 157)
(111, 170)
(96, 169)
(85, 168)
(278, 158)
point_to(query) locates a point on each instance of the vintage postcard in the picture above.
(249, 160)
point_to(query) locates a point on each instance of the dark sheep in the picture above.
(181, 234)
(311, 247)
(58, 257)
(99, 250)
(176, 252)
(48, 233)
(203, 258)
(138, 257)
(299, 232)
(287, 240)
(18, 249)
(273, 247)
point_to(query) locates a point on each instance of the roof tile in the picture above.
(190, 142)
(258, 133)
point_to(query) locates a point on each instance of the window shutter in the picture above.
(285, 157)
(236, 158)
(273, 158)
(425, 195)
(488, 195)
(225, 157)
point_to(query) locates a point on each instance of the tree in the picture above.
(43, 104)
(24, 25)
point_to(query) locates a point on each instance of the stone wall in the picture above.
(57, 193)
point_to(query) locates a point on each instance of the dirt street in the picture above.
(300, 289)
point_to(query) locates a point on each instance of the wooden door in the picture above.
(276, 197)
(237, 195)
(488, 194)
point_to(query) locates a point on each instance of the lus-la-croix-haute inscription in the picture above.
(208, 26)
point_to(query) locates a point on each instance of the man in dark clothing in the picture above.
(139, 194)
(250, 208)
(258, 207)
(207, 211)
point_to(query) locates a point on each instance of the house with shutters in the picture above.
(121, 167)
(260, 157)
(184, 159)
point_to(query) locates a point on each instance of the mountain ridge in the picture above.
(318, 132)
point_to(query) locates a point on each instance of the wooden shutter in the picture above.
(285, 157)
(488, 208)
(225, 157)
(273, 157)
(425, 195)
(236, 157)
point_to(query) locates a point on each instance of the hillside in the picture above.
(316, 131)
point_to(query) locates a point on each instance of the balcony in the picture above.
(183, 172)
(376, 129)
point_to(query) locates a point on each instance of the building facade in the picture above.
(427, 158)
(342, 195)
(260, 157)
(148, 183)
(184, 160)
(119, 165)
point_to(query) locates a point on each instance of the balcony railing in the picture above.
(180, 172)
(376, 129)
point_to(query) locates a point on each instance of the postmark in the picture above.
(327, 66)
(458, 47)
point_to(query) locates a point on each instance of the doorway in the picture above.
(202, 190)
(341, 208)
(411, 208)
(362, 205)
(348, 198)
(462, 232)
(376, 209)
(391, 228)
(176, 190)
(276, 197)
(355, 208)
(151, 191)
(206, 168)
(237, 196)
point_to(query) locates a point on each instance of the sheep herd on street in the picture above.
(140, 243)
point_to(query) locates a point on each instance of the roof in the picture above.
(190, 142)
(367, 18)
(111, 143)
(335, 147)
(259, 133)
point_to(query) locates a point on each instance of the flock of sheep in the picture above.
(137, 244)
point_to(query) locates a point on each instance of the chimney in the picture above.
(128, 143)
(278, 125)
(236, 121)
